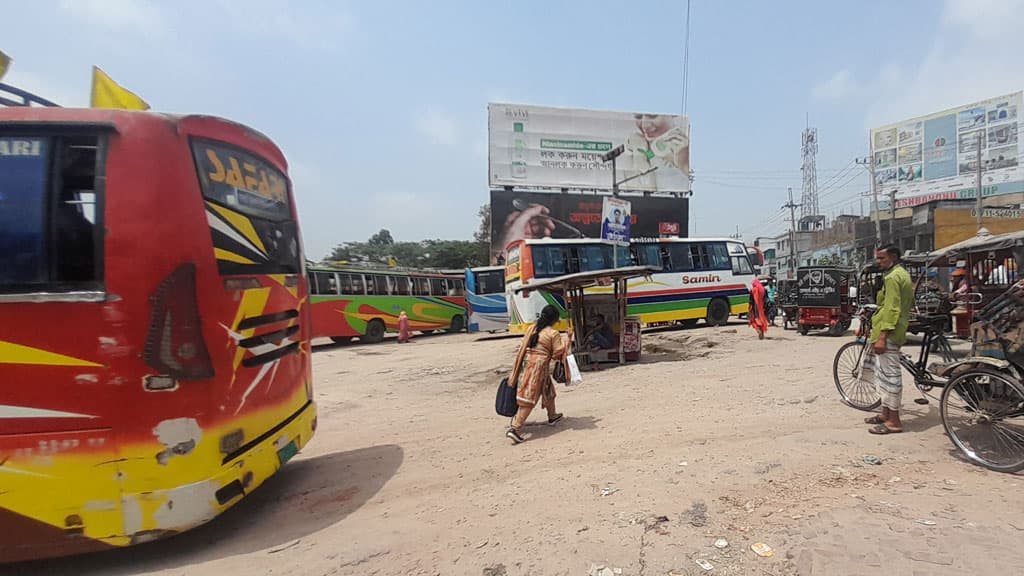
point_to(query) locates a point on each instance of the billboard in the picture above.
(539, 147)
(935, 157)
(516, 215)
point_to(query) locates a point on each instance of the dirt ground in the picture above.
(714, 435)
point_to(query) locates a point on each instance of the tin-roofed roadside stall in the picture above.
(586, 296)
(991, 263)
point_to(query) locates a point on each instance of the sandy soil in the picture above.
(713, 435)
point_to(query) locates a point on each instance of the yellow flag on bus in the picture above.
(5, 63)
(109, 94)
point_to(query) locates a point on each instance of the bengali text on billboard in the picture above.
(516, 215)
(534, 146)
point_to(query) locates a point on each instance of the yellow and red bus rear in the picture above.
(154, 334)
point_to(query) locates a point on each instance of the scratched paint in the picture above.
(179, 435)
(188, 506)
(87, 379)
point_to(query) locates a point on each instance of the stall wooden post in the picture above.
(620, 305)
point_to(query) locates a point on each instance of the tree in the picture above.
(483, 234)
(450, 254)
(382, 238)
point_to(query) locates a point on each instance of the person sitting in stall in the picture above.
(601, 336)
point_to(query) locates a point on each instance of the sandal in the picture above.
(882, 429)
(552, 421)
(514, 436)
(876, 419)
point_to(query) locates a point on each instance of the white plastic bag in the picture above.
(574, 370)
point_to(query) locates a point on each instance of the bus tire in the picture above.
(688, 323)
(458, 324)
(718, 312)
(341, 339)
(374, 332)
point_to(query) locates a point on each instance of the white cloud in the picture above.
(141, 16)
(438, 126)
(975, 55)
(835, 88)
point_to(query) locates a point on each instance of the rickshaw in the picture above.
(785, 301)
(991, 269)
(823, 298)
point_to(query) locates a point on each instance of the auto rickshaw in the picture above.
(785, 298)
(823, 298)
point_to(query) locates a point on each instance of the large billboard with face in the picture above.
(516, 215)
(935, 157)
(540, 147)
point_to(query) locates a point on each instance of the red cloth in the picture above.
(756, 315)
(403, 328)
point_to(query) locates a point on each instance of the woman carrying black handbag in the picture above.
(531, 372)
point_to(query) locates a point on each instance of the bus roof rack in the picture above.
(16, 97)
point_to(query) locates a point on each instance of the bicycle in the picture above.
(982, 400)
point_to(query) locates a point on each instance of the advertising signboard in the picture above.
(615, 216)
(516, 215)
(541, 147)
(935, 157)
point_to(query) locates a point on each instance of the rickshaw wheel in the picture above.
(983, 414)
(855, 392)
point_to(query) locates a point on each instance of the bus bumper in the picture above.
(191, 505)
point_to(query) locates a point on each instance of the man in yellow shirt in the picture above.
(888, 334)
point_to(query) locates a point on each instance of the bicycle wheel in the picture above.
(983, 414)
(942, 348)
(854, 377)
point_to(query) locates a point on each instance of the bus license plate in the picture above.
(285, 454)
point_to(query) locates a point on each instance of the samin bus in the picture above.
(700, 278)
(350, 302)
(154, 328)
(486, 304)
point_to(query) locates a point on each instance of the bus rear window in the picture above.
(241, 181)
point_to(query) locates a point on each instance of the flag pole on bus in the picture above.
(109, 94)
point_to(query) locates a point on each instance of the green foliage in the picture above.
(381, 248)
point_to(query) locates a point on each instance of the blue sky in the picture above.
(380, 107)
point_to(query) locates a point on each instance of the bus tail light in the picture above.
(175, 345)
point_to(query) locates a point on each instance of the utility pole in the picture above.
(892, 215)
(981, 134)
(869, 162)
(792, 228)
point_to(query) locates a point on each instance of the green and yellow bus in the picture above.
(364, 302)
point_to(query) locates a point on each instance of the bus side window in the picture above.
(456, 287)
(324, 283)
(698, 257)
(682, 257)
(76, 211)
(437, 287)
(540, 261)
(421, 286)
(718, 256)
(311, 280)
(351, 284)
(402, 287)
(380, 285)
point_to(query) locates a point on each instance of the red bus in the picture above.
(154, 333)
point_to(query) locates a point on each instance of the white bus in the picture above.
(700, 278)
